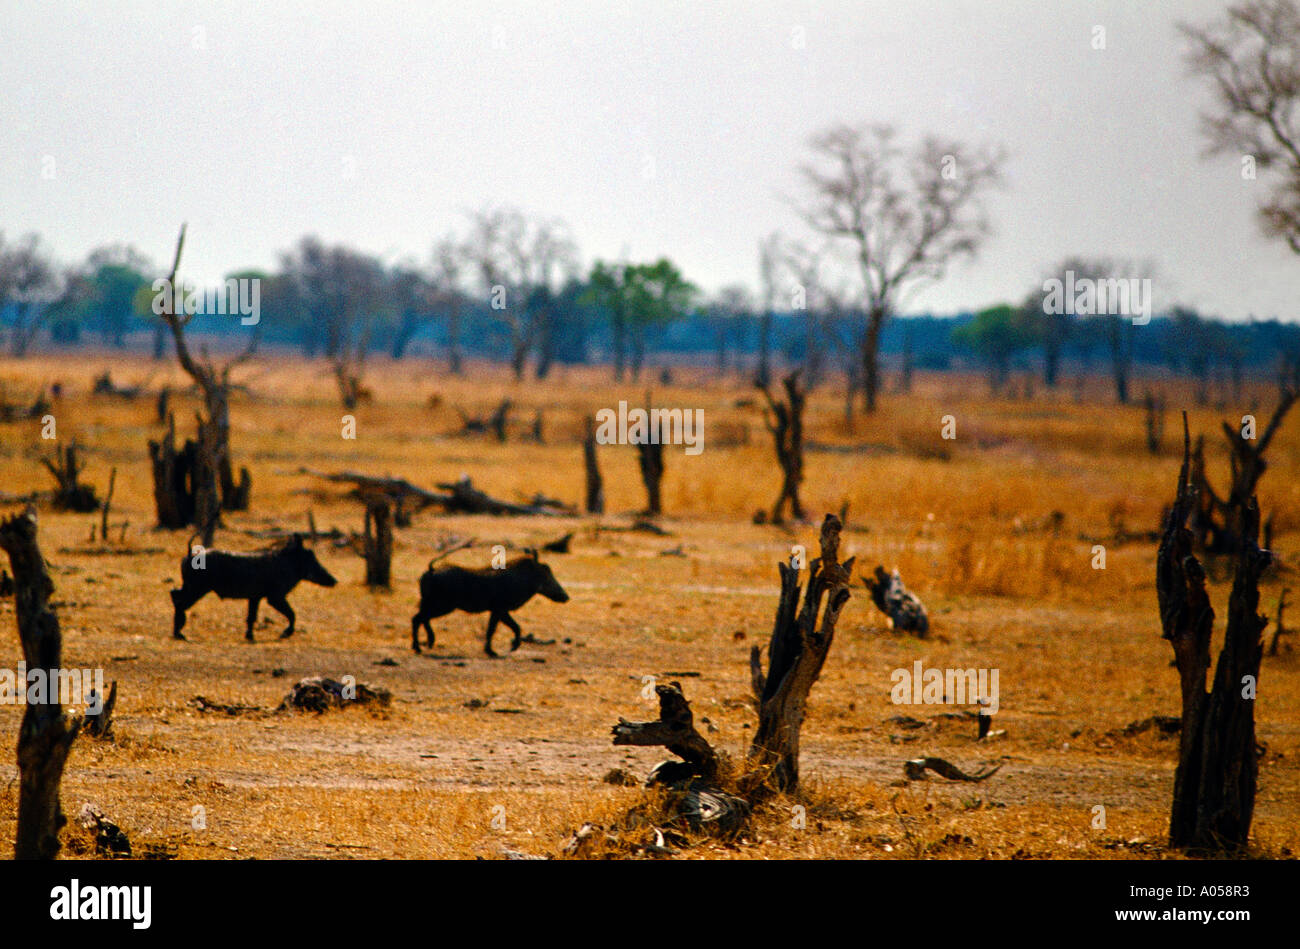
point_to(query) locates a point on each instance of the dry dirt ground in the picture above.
(994, 529)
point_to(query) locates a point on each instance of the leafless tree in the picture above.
(447, 273)
(516, 257)
(769, 265)
(725, 317)
(1251, 61)
(905, 213)
(213, 485)
(29, 282)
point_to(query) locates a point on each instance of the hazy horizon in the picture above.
(665, 129)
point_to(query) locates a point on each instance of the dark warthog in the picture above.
(495, 591)
(268, 575)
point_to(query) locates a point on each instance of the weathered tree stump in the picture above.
(798, 648)
(173, 494)
(69, 493)
(47, 733)
(378, 542)
(100, 724)
(595, 483)
(674, 730)
(785, 422)
(651, 457)
(1214, 784)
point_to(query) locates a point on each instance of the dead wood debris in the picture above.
(321, 693)
(915, 770)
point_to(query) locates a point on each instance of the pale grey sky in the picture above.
(376, 123)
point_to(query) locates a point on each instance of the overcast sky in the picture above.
(655, 128)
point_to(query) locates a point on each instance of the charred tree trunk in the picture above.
(595, 483)
(1214, 784)
(46, 734)
(379, 544)
(786, 425)
(798, 648)
(651, 457)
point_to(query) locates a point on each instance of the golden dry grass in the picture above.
(968, 522)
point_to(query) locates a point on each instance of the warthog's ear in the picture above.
(531, 552)
(295, 541)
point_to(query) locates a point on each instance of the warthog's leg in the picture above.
(253, 603)
(514, 627)
(422, 618)
(182, 600)
(281, 606)
(493, 619)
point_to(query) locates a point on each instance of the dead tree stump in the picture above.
(798, 648)
(651, 456)
(47, 733)
(173, 494)
(675, 730)
(785, 422)
(378, 540)
(595, 483)
(69, 493)
(1214, 784)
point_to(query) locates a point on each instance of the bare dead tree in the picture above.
(515, 257)
(796, 653)
(47, 733)
(785, 422)
(595, 483)
(449, 261)
(29, 283)
(1249, 61)
(212, 479)
(906, 215)
(1214, 784)
(769, 264)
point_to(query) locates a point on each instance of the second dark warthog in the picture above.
(495, 591)
(267, 575)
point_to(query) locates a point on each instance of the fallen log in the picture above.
(454, 497)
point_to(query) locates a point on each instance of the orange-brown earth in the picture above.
(477, 756)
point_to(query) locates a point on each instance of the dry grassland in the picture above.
(971, 523)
